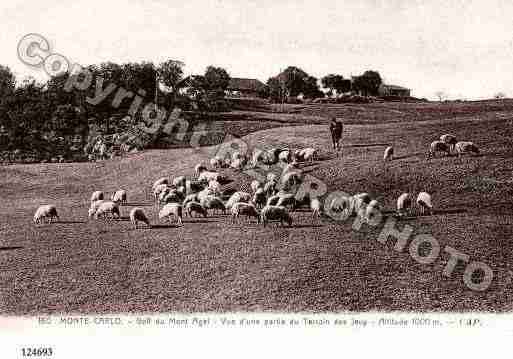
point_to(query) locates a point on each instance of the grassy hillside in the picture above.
(213, 264)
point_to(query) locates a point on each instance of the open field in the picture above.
(212, 264)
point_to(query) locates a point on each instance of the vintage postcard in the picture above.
(301, 178)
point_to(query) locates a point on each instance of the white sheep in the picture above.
(214, 203)
(438, 146)
(207, 176)
(259, 198)
(199, 168)
(94, 207)
(246, 209)
(204, 193)
(47, 211)
(194, 207)
(449, 140)
(238, 164)
(275, 213)
(257, 157)
(286, 199)
(371, 210)
(119, 196)
(270, 188)
(285, 156)
(388, 154)
(306, 154)
(316, 207)
(179, 181)
(403, 204)
(97, 195)
(160, 190)
(463, 147)
(215, 187)
(291, 179)
(425, 203)
(137, 215)
(172, 209)
(159, 182)
(238, 196)
(291, 167)
(255, 184)
(107, 209)
(172, 196)
(271, 177)
(216, 162)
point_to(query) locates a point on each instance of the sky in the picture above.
(462, 48)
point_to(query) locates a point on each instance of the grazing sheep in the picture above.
(238, 197)
(119, 196)
(199, 168)
(213, 203)
(305, 155)
(403, 204)
(215, 187)
(216, 162)
(207, 176)
(94, 207)
(193, 197)
(271, 177)
(204, 194)
(255, 184)
(370, 210)
(172, 197)
(438, 146)
(179, 181)
(259, 198)
(137, 215)
(425, 203)
(107, 209)
(270, 188)
(194, 186)
(257, 157)
(287, 199)
(160, 190)
(246, 209)
(291, 167)
(449, 140)
(291, 179)
(172, 209)
(388, 154)
(96, 196)
(359, 202)
(463, 147)
(275, 213)
(273, 155)
(194, 207)
(159, 182)
(238, 164)
(47, 211)
(316, 207)
(285, 156)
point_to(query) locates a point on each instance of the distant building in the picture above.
(393, 90)
(240, 87)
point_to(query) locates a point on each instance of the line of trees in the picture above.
(294, 81)
(45, 120)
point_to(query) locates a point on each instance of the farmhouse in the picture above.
(241, 87)
(393, 90)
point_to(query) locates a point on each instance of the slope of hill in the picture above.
(212, 264)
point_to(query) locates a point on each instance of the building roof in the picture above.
(395, 87)
(241, 84)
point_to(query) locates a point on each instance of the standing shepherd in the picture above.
(336, 129)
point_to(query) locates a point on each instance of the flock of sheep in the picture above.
(269, 200)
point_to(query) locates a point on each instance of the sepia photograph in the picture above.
(226, 160)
